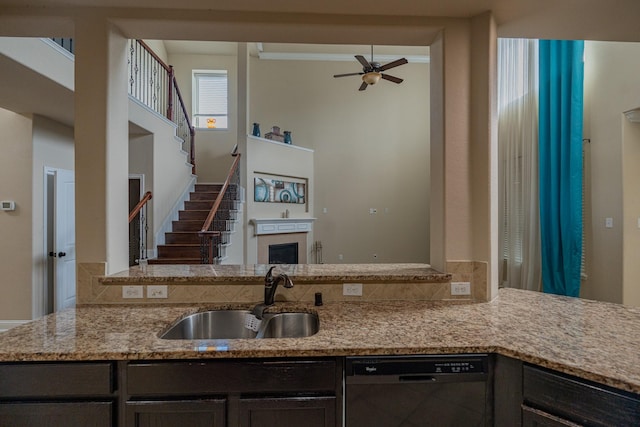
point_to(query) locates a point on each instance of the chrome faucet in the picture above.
(270, 285)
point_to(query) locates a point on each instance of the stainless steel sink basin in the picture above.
(230, 324)
(215, 324)
(290, 325)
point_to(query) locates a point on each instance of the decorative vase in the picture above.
(256, 129)
(287, 137)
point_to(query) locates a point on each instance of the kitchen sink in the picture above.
(230, 324)
(290, 325)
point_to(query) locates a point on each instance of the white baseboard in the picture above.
(5, 325)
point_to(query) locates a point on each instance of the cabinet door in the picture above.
(535, 418)
(70, 414)
(192, 413)
(279, 412)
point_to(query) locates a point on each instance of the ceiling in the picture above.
(562, 19)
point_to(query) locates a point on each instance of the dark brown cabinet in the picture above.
(278, 412)
(238, 393)
(192, 413)
(57, 394)
(554, 399)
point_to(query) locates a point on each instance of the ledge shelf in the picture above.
(281, 225)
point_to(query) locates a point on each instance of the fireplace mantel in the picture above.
(281, 225)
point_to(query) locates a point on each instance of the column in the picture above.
(101, 146)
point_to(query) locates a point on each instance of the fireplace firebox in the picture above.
(284, 253)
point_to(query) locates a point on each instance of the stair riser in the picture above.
(196, 215)
(178, 251)
(203, 196)
(173, 261)
(176, 238)
(208, 187)
(199, 205)
(187, 225)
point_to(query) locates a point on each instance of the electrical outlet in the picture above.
(373, 211)
(352, 289)
(157, 291)
(460, 288)
(132, 292)
(340, 257)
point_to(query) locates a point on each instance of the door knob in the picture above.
(61, 254)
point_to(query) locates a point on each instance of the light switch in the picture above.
(608, 222)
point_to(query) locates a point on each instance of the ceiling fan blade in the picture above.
(348, 74)
(393, 64)
(363, 61)
(392, 78)
(363, 86)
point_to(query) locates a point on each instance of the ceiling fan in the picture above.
(372, 71)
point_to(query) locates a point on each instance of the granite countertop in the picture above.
(300, 273)
(593, 340)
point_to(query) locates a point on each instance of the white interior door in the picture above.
(65, 240)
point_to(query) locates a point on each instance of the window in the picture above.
(210, 99)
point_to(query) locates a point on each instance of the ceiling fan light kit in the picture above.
(372, 71)
(371, 78)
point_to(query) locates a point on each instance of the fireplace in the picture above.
(283, 253)
(276, 234)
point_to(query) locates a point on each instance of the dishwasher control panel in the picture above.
(420, 365)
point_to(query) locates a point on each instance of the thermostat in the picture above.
(7, 205)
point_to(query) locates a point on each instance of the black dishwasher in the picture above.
(408, 391)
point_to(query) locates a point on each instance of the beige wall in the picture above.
(611, 82)
(212, 146)
(52, 148)
(157, 46)
(15, 227)
(371, 151)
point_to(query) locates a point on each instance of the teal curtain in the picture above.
(561, 76)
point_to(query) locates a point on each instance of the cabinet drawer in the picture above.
(77, 414)
(277, 412)
(578, 400)
(537, 418)
(53, 380)
(231, 376)
(210, 413)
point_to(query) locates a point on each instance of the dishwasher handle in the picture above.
(414, 378)
(417, 378)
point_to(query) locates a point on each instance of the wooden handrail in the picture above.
(207, 223)
(186, 116)
(152, 53)
(147, 196)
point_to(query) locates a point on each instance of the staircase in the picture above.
(182, 244)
